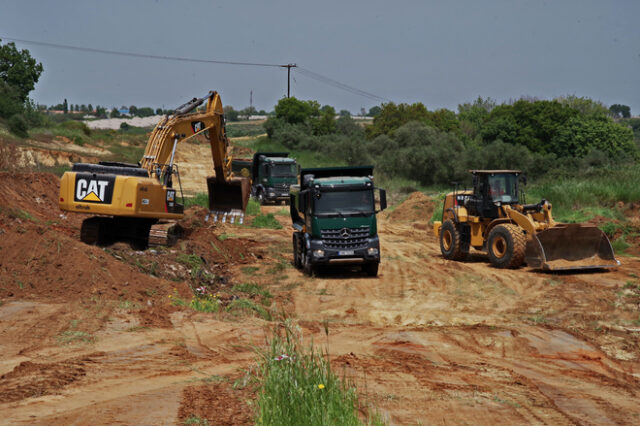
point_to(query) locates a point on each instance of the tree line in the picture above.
(436, 147)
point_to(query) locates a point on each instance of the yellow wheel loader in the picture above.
(490, 217)
(127, 201)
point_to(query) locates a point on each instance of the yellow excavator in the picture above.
(127, 200)
(490, 217)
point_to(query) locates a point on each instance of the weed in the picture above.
(240, 306)
(292, 285)
(137, 328)
(620, 245)
(128, 305)
(200, 199)
(630, 284)
(250, 270)
(299, 387)
(223, 237)
(253, 208)
(282, 212)
(252, 289)
(69, 337)
(208, 304)
(266, 221)
(538, 319)
(151, 292)
(195, 420)
(278, 267)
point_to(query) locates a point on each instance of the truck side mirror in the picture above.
(383, 199)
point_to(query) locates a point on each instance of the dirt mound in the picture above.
(34, 193)
(417, 207)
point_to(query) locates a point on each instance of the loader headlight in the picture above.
(372, 251)
(497, 203)
(318, 253)
(272, 194)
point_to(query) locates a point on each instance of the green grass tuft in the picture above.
(245, 306)
(299, 387)
(266, 221)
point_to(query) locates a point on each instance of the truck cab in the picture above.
(271, 173)
(333, 213)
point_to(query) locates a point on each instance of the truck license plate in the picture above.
(345, 253)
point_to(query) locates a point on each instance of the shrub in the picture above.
(18, 126)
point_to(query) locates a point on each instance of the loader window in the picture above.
(345, 203)
(504, 188)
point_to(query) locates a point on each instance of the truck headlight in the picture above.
(272, 194)
(372, 251)
(318, 253)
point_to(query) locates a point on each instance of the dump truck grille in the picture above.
(345, 238)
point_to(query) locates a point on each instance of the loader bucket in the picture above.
(228, 199)
(570, 247)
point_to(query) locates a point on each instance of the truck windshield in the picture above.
(286, 169)
(504, 188)
(345, 203)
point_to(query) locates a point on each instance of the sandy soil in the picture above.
(89, 335)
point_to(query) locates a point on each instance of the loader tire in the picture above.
(506, 246)
(451, 244)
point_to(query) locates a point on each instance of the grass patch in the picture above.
(297, 386)
(252, 289)
(200, 199)
(73, 336)
(195, 420)
(245, 306)
(266, 221)
(249, 270)
(304, 158)
(253, 208)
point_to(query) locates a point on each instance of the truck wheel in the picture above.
(307, 267)
(371, 269)
(260, 196)
(506, 246)
(451, 244)
(296, 251)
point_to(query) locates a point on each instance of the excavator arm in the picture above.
(228, 196)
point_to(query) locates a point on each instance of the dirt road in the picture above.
(90, 335)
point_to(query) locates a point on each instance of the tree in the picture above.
(295, 111)
(19, 70)
(90, 108)
(114, 113)
(618, 111)
(374, 111)
(230, 114)
(65, 106)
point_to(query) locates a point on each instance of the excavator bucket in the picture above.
(570, 247)
(228, 200)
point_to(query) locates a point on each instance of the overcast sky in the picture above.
(441, 53)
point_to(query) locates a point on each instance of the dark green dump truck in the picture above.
(333, 211)
(271, 174)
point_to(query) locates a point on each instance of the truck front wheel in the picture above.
(261, 197)
(297, 251)
(371, 269)
(307, 267)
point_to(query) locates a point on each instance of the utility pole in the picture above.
(288, 67)
(250, 98)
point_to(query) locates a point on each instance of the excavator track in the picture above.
(165, 233)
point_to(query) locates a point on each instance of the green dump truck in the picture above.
(333, 211)
(271, 174)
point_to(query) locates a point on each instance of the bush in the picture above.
(76, 125)
(18, 126)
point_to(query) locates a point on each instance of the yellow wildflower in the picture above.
(320, 386)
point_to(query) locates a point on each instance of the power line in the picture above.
(140, 55)
(331, 82)
(308, 73)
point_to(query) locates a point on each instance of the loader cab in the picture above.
(492, 189)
